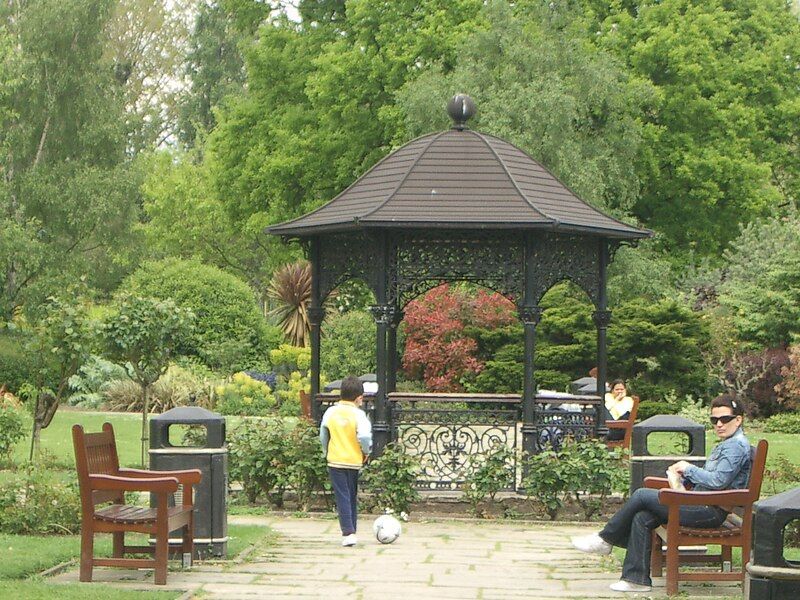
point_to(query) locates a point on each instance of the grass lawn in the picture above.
(39, 590)
(26, 555)
(56, 440)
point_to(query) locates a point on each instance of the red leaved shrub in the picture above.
(437, 350)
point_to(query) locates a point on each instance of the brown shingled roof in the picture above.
(458, 179)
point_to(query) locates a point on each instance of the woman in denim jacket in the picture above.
(727, 468)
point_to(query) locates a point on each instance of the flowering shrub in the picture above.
(269, 456)
(12, 424)
(437, 348)
(37, 502)
(244, 396)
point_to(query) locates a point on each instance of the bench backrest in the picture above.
(95, 454)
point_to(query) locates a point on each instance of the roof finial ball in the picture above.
(461, 108)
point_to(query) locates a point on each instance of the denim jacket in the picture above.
(728, 467)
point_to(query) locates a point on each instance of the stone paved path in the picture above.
(435, 559)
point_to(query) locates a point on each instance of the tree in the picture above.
(538, 84)
(146, 43)
(214, 68)
(143, 334)
(291, 290)
(68, 193)
(720, 138)
(761, 282)
(230, 333)
(62, 346)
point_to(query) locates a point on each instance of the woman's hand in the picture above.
(679, 467)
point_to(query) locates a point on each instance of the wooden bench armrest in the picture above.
(723, 498)
(187, 477)
(618, 424)
(657, 483)
(131, 484)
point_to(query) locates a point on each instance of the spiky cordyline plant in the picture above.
(291, 289)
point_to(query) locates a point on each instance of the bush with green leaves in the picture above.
(230, 331)
(91, 380)
(650, 408)
(781, 473)
(546, 480)
(656, 346)
(12, 427)
(487, 474)
(593, 473)
(38, 502)
(348, 344)
(243, 395)
(783, 423)
(178, 386)
(18, 363)
(271, 455)
(389, 480)
(307, 469)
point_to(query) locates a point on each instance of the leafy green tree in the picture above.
(761, 285)
(720, 138)
(348, 344)
(145, 334)
(538, 84)
(215, 69)
(230, 333)
(146, 40)
(62, 341)
(68, 193)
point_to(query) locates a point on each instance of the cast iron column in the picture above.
(530, 317)
(529, 314)
(382, 312)
(391, 374)
(602, 317)
(315, 316)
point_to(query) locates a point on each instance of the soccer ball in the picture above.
(387, 529)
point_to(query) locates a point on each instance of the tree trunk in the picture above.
(46, 407)
(145, 410)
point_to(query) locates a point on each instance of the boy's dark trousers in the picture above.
(345, 488)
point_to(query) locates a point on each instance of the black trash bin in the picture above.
(770, 575)
(210, 502)
(645, 464)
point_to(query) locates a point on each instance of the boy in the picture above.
(346, 437)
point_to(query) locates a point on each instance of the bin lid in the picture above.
(668, 423)
(188, 414)
(787, 502)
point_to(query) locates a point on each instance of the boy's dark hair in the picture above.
(352, 388)
(729, 400)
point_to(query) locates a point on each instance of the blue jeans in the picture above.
(632, 525)
(345, 489)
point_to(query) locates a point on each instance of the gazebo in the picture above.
(457, 205)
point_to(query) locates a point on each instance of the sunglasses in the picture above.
(724, 418)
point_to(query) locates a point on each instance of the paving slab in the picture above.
(432, 559)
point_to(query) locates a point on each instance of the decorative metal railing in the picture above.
(446, 431)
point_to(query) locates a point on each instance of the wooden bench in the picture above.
(736, 531)
(101, 481)
(626, 425)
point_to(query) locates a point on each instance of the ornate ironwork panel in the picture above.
(554, 425)
(445, 438)
(347, 256)
(558, 257)
(425, 259)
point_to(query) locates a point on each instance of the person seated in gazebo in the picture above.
(618, 406)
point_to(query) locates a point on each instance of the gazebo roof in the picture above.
(461, 179)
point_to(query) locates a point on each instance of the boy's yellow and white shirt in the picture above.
(346, 435)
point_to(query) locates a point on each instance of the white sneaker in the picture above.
(349, 540)
(591, 544)
(627, 586)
